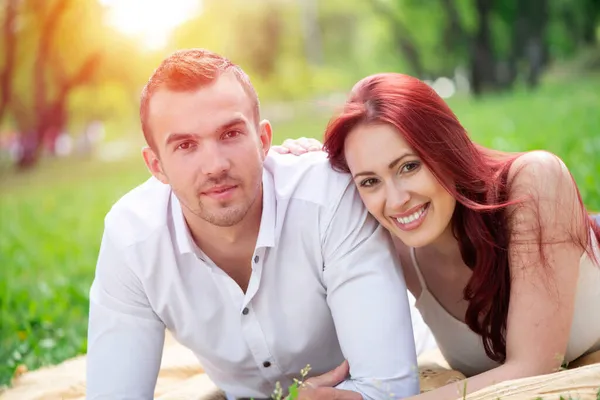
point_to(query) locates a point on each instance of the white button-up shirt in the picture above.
(325, 286)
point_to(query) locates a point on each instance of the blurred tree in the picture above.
(499, 41)
(266, 38)
(577, 22)
(10, 39)
(340, 32)
(55, 51)
(56, 73)
(527, 35)
(536, 12)
(295, 48)
(590, 22)
(311, 31)
(401, 34)
(456, 38)
(258, 47)
(483, 63)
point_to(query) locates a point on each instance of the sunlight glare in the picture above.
(152, 21)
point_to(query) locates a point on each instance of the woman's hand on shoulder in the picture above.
(298, 146)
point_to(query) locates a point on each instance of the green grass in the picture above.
(562, 118)
(51, 218)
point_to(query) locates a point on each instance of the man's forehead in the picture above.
(224, 93)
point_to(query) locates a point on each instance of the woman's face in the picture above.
(396, 186)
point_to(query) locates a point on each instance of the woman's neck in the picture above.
(446, 247)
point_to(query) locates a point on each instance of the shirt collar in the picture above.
(266, 233)
(183, 236)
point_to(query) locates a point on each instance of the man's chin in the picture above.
(224, 217)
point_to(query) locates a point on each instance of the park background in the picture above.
(520, 75)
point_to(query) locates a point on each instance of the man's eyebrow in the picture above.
(230, 124)
(178, 136)
(175, 137)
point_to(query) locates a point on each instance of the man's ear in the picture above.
(153, 164)
(265, 134)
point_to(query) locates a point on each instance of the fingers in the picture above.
(298, 146)
(330, 378)
(279, 149)
(295, 146)
(328, 393)
(321, 387)
(310, 144)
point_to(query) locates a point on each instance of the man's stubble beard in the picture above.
(228, 216)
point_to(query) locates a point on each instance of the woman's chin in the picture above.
(418, 238)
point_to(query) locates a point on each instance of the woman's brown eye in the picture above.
(368, 182)
(411, 166)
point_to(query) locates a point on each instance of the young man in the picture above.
(259, 264)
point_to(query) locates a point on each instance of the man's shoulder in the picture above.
(309, 177)
(139, 213)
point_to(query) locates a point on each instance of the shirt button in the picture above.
(266, 364)
(245, 311)
(256, 258)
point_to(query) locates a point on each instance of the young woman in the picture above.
(497, 248)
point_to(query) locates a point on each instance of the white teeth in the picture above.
(412, 217)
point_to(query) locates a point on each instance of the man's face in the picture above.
(209, 149)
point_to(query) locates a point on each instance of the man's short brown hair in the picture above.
(187, 70)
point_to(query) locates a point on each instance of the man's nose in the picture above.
(214, 161)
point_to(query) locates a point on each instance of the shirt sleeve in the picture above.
(369, 302)
(125, 337)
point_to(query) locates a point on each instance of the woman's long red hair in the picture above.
(474, 175)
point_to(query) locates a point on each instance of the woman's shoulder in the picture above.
(544, 199)
(537, 168)
(540, 176)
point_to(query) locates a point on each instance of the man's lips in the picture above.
(218, 189)
(220, 193)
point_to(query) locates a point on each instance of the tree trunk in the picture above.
(312, 33)
(536, 50)
(591, 19)
(32, 143)
(403, 39)
(518, 34)
(10, 44)
(455, 35)
(483, 67)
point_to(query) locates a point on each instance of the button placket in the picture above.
(228, 285)
(257, 344)
(251, 329)
(255, 276)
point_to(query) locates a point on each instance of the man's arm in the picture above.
(125, 337)
(368, 298)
